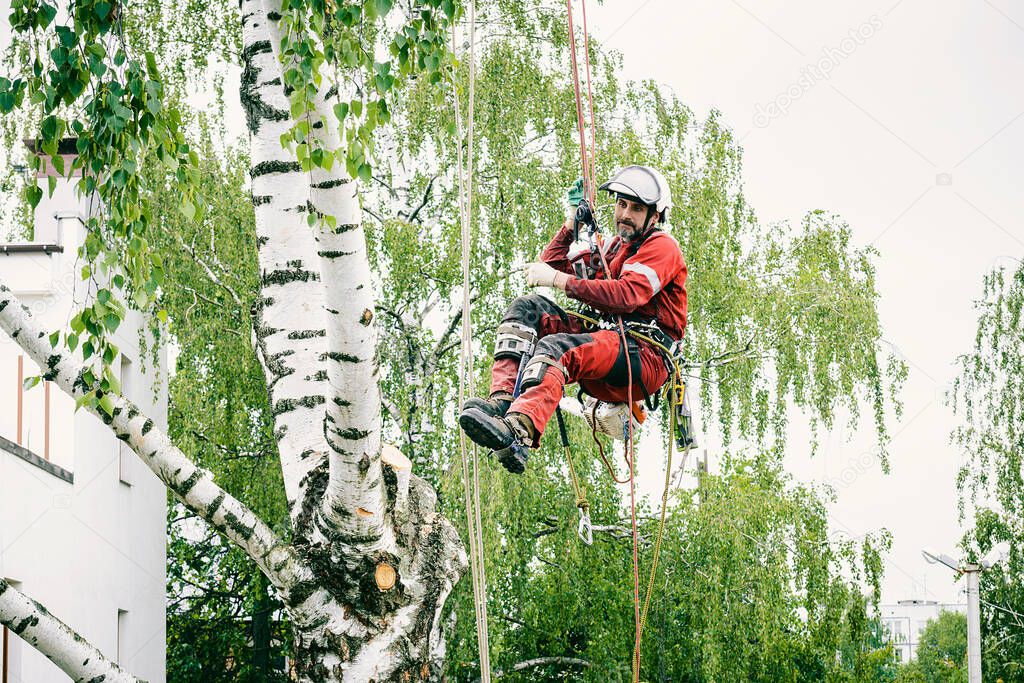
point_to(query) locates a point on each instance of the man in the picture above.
(646, 283)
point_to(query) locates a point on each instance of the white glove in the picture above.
(541, 275)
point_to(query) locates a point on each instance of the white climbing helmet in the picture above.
(645, 184)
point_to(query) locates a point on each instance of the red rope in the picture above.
(591, 194)
(588, 190)
(590, 104)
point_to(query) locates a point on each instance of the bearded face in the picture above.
(631, 218)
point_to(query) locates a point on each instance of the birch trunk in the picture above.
(371, 564)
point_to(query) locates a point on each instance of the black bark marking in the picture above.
(215, 505)
(267, 167)
(257, 110)
(341, 402)
(283, 277)
(146, 427)
(236, 525)
(286, 405)
(328, 184)
(334, 254)
(51, 367)
(307, 334)
(314, 484)
(352, 434)
(189, 483)
(366, 317)
(24, 624)
(340, 357)
(261, 199)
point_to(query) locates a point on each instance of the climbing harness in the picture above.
(471, 480)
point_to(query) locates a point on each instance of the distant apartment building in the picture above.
(904, 621)
(82, 519)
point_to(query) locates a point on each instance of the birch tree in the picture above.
(369, 564)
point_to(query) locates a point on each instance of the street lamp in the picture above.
(972, 571)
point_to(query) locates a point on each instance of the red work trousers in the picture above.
(595, 359)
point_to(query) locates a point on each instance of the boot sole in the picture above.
(480, 432)
(511, 460)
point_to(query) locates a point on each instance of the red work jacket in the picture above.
(649, 284)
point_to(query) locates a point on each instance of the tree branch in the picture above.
(74, 656)
(542, 661)
(423, 202)
(191, 485)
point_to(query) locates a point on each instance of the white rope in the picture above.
(472, 496)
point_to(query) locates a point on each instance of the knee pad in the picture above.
(513, 340)
(538, 366)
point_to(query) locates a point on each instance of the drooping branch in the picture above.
(34, 624)
(189, 483)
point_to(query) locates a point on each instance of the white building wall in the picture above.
(92, 551)
(904, 621)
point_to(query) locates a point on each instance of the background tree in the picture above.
(942, 648)
(779, 315)
(987, 395)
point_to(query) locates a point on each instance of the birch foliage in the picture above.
(987, 396)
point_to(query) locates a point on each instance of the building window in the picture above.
(122, 638)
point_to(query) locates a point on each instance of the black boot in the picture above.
(495, 406)
(508, 438)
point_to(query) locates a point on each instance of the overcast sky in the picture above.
(907, 119)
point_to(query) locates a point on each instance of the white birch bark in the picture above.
(289, 313)
(34, 624)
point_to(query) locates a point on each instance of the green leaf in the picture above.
(188, 208)
(151, 66)
(107, 404)
(30, 382)
(34, 193)
(54, 339)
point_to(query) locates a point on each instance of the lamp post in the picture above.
(972, 572)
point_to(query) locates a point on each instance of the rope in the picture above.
(471, 481)
(590, 192)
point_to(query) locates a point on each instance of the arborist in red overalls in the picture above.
(646, 285)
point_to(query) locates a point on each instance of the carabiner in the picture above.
(585, 531)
